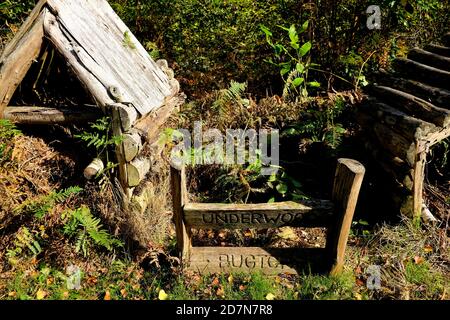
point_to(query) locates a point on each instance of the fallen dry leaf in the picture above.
(41, 294)
(162, 295)
(107, 296)
(215, 282)
(418, 260)
(270, 296)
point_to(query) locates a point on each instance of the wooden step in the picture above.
(429, 59)
(438, 49)
(406, 125)
(413, 106)
(218, 216)
(48, 116)
(446, 39)
(423, 73)
(269, 261)
(437, 96)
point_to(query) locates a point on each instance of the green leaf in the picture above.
(282, 188)
(305, 49)
(266, 30)
(304, 26)
(300, 67)
(293, 35)
(271, 200)
(286, 68)
(314, 84)
(297, 82)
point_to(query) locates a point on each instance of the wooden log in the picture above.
(49, 116)
(409, 127)
(429, 59)
(423, 73)
(137, 170)
(398, 170)
(150, 125)
(248, 259)
(438, 49)
(413, 106)
(389, 139)
(347, 183)
(179, 200)
(128, 115)
(120, 153)
(437, 96)
(141, 200)
(93, 168)
(132, 144)
(19, 56)
(260, 216)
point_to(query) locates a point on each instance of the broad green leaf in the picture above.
(282, 188)
(293, 35)
(286, 68)
(297, 82)
(300, 67)
(305, 49)
(266, 30)
(305, 26)
(314, 84)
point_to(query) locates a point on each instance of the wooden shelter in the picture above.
(111, 65)
(405, 115)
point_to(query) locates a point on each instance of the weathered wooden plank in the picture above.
(66, 46)
(423, 73)
(260, 216)
(418, 179)
(269, 261)
(413, 106)
(111, 53)
(179, 200)
(18, 57)
(429, 59)
(347, 183)
(24, 29)
(49, 116)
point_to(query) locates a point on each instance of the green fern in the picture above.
(85, 228)
(233, 94)
(7, 132)
(43, 205)
(24, 240)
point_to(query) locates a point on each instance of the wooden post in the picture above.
(179, 199)
(347, 183)
(419, 175)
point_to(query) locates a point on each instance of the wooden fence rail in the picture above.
(336, 215)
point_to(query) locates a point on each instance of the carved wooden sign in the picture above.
(217, 259)
(259, 216)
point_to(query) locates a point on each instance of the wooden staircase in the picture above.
(405, 114)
